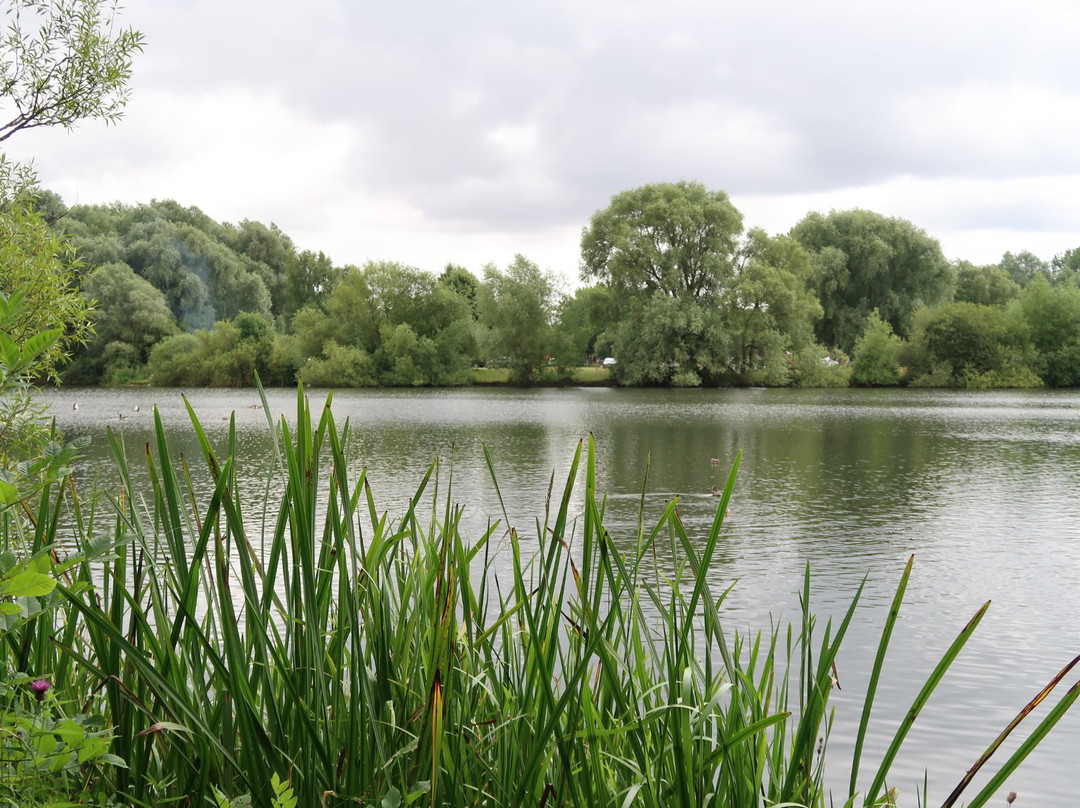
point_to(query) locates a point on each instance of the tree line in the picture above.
(675, 290)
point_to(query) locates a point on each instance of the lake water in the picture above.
(980, 487)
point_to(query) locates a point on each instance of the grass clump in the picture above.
(345, 658)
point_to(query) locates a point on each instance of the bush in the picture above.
(877, 355)
(342, 366)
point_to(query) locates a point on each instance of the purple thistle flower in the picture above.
(40, 688)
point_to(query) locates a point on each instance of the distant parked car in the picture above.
(608, 362)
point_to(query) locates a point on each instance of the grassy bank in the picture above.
(346, 658)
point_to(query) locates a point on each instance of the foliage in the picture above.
(340, 366)
(986, 285)
(666, 340)
(812, 366)
(728, 309)
(47, 751)
(769, 310)
(200, 266)
(46, 754)
(61, 61)
(517, 308)
(308, 279)
(866, 261)
(877, 354)
(580, 321)
(228, 355)
(130, 318)
(35, 262)
(1052, 314)
(462, 283)
(21, 421)
(968, 345)
(675, 239)
(1024, 267)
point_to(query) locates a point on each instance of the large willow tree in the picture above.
(865, 261)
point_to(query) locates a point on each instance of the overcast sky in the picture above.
(465, 132)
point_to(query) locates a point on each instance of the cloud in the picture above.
(454, 131)
(229, 152)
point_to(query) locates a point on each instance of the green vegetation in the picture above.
(295, 646)
(337, 657)
(865, 261)
(680, 296)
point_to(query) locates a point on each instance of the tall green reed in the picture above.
(370, 660)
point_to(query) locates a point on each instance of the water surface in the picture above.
(980, 487)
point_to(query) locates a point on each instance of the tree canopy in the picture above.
(677, 239)
(865, 261)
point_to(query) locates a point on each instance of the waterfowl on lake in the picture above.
(75, 406)
(715, 461)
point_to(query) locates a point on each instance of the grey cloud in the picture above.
(776, 96)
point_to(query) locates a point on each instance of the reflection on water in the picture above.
(979, 486)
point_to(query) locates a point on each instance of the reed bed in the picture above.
(347, 658)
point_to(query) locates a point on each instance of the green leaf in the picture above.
(9, 494)
(69, 731)
(283, 793)
(38, 344)
(113, 760)
(28, 584)
(10, 354)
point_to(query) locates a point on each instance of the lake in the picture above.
(980, 487)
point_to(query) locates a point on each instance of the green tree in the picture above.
(340, 366)
(986, 285)
(228, 355)
(462, 283)
(312, 329)
(876, 360)
(156, 252)
(1024, 266)
(1066, 267)
(412, 328)
(131, 317)
(35, 261)
(269, 254)
(62, 62)
(676, 239)
(968, 345)
(668, 254)
(769, 310)
(866, 261)
(308, 280)
(581, 319)
(22, 424)
(517, 307)
(1052, 314)
(179, 360)
(666, 340)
